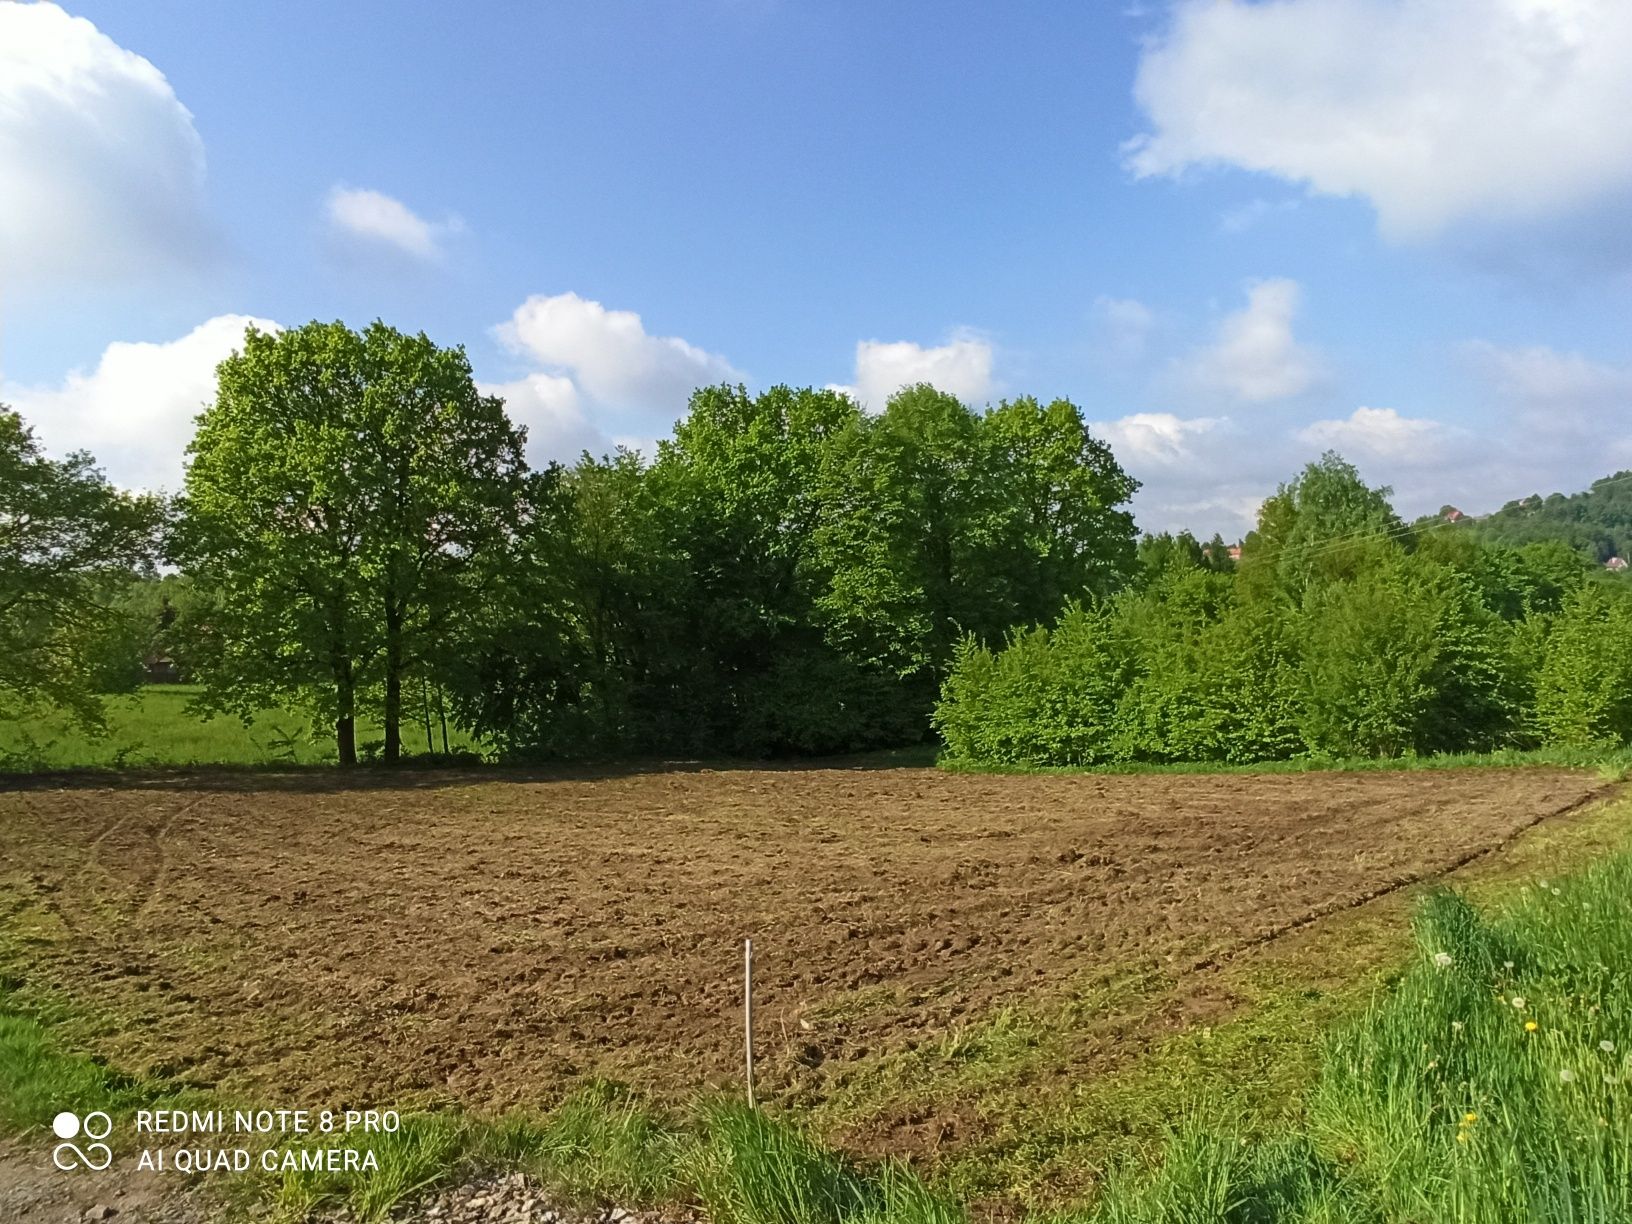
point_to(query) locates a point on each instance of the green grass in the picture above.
(1613, 763)
(1491, 1085)
(154, 727)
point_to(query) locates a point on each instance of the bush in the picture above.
(1403, 659)
(1050, 697)
(1583, 688)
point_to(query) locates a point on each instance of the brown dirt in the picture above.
(492, 939)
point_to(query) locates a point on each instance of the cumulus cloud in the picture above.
(1433, 110)
(101, 170)
(1381, 433)
(1255, 358)
(961, 367)
(609, 355)
(553, 412)
(134, 411)
(603, 380)
(1155, 438)
(376, 218)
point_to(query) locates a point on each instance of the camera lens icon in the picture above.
(67, 1126)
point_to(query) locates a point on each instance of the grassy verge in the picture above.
(1613, 763)
(1492, 1085)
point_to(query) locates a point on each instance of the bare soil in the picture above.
(313, 941)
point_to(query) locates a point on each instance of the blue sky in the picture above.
(1235, 233)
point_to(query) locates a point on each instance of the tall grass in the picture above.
(1491, 1086)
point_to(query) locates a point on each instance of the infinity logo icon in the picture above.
(94, 1156)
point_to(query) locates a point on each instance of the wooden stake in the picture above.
(748, 1012)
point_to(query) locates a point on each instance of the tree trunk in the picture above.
(345, 700)
(345, 722)
(393, 683)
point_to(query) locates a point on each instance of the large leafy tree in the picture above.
(350, 498)
(937, 521)
(69, 543)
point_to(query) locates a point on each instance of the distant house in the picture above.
(1453, 515)
(1235, 552)
(1615, 563)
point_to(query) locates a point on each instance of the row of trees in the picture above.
(787, 574)
(1342, 632)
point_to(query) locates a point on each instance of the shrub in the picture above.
(1583, 688)
(1405, 658)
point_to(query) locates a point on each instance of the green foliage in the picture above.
(1595, 525)
(937, 521)
(1326, 525)
(349, 499)
(1583, 686)
(789, 575)
(1342, 635)
(1216, 677)
(1403, 659)
(69, 542)
(1049, 697)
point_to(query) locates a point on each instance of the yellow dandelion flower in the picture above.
(1531, 1026)
(1461, 1136)
(1468, 1119)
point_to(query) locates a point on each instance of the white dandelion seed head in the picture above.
(1442, 960)
(1518, 1002)
(1608, 1047)
(1567, 1076)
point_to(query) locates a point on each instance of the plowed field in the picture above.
(494, 938)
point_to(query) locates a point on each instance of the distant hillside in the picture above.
(1597, 523)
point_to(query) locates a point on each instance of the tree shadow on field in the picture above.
(331, 779)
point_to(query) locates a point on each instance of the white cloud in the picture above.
(134, 412)
(1155, 438)
(378, 218)
(1433, 110)
(553, 412)
(1547, 379)
(1255, 358)
(1383, 434)
(961, 367)
(610, 357)
(101, 170)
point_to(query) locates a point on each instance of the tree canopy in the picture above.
(69, 543)
(349, 497)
